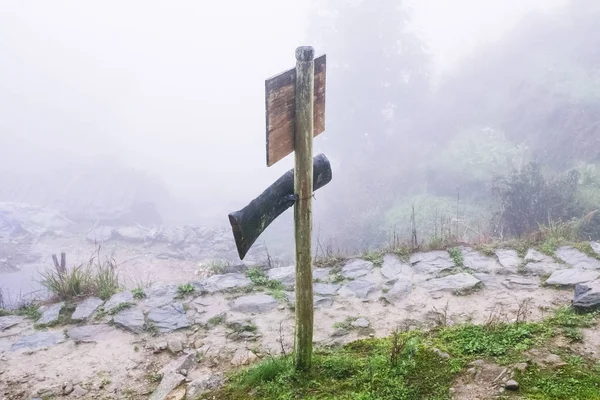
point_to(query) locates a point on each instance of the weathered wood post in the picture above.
(303, 187)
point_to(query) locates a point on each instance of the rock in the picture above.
(222, 282)
(39, 340)
(131, 319)
(100, 234)
(9, 321)
(169, 317)
(185, 362)
(325, 289)
(177, 394)
(208, 307)
(478, 262)
(571, 277)
(511, 385)
(360, 323)
(79, 392)
(577, 259)
(175, 346)
(86, 308)
(243, 357)
(360, 288)
(392, 268)
(340, 332)
(67, 388)
(432, 262)
(520, 366)
(535, 256)
(285, 275)
(399, 291)
(202, 385)
(318, 301)
(89, 333)
(159, 296)
(117, 299)
(587, 295)
(50, 315)
(521, 282)
(356, 268)
(440, 353)
(553, 360)
(539, 268)
(169, 382)
(321, 273)
(458, 282)
(509, 259)
(595, 247)
(256, 303)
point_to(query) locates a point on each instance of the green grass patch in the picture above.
(410, 365)
(30, 311)
(362, 370)
(577, 380)
(259, 278)
(185, 289)
(138, 293)
(120, 307)
(457, 257)
(376, 257)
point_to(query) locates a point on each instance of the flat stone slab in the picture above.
(89, 333)
(50, 314)
(476, 261)
(224, 282)
(459, 282)
(318, 301)
(168, 382)
(39, 340)
(521, 282)
(118, 298)
(360, 323)
(100, 234)
(392, 268)
(356, 268)
(536, 256)
(325, 289)
(543, 268)
(159, 296)
(321, 273)
(254, 304)
(86, 308)
(509, 260)
(169, 318)
(360, 288)
(131, 319)
(208, 307)
(9, 321)
(576, 258)
(587, 295)
(571, 277)
(285, 275)
(432, 262)
(400, 290)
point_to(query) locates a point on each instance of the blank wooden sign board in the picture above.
(281, 105)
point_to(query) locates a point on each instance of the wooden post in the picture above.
(303, 187)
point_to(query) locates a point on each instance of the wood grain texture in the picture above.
(280, 104)
(303, 187)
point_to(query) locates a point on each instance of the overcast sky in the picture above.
(177, 87)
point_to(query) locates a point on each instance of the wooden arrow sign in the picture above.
(280, 110)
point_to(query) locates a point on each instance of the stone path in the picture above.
(170, 342)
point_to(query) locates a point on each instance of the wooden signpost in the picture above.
(295, 113)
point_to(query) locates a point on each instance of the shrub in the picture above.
(528, 199)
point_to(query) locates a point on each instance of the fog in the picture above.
(176, 90)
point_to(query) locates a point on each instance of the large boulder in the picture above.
(587, 295)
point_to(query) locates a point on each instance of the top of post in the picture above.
(305, 53)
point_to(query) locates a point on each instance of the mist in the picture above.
(172, 96)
